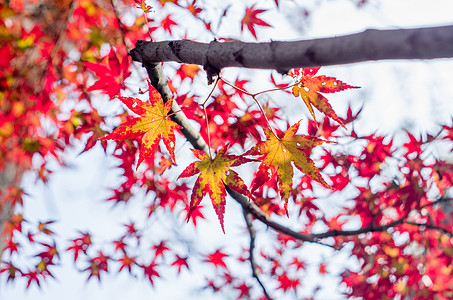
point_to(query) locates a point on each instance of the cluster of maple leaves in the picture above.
(403, 243)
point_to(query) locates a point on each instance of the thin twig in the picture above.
(433, 227)
(252, 234)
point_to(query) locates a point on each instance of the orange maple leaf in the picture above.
(277, 156)
(214, 175)
(309, 87)
(152, 125)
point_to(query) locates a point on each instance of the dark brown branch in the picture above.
(369, 45)
(439, 201)
(251, 207)
(433, 227)
(366, 229)
(252, 233)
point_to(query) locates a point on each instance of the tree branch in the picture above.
(371, 44)
(433, 227)
(10, 176)
(252, 233)
(159, 81)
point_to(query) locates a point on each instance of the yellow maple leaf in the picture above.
(279, 156)
(308, 87)
(153, 125)
(214, 175)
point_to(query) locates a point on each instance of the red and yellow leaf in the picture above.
(279, 155)
(142, 5)
(152, 125)
(214, 175)
(308, 87)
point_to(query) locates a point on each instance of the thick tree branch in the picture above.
(371, 44)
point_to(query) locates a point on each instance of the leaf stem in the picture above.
(256, 101)
(206, 115)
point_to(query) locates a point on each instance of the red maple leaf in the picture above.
(160, 249)
(287, 283)
(195, 214)
(216, 259)
(97, 265)
(150, 271)
(80, 245)
(127, 262)
(111, 78)
(11, 270)
(180, 262)
(167, 23)
(251, 20)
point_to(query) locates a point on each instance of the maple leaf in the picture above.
(193, 9)
(97, 265)
(195, 214)
(214, 175)
(142, 5)
(180, 262)
(153, 124)
(250, 19)
(11, 270)
(277, 155)
(308, 87)
(111, 78)
(287, 283)
(150, 271)
(80, 245)
(126, 262)
(216, 259)
(167, 23)
(160, 249)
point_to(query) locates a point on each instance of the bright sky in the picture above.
(74, 195)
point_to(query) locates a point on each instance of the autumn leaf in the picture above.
(214, 175)
(142, 5)
(180, 262)
(250, 19)
(111, 78)
(152, 125)
(308, 87)
(277, 156)
(216, 259)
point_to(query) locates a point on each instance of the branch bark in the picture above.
(10, 175)
(369, 45)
